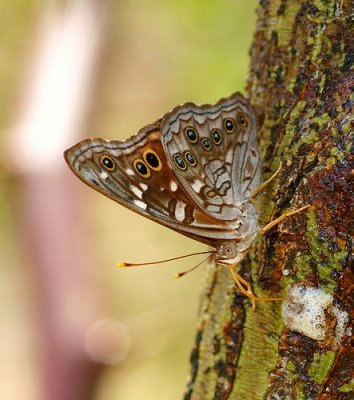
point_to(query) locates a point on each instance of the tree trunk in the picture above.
(300, 84)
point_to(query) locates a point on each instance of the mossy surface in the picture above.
(299, 84)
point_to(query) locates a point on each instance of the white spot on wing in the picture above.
(180, 211)
(129, 171)
(229, 156)
(143, 186)
(140, 204)
(173, 186)
(197, 185)
(136, 191)
(104, 175)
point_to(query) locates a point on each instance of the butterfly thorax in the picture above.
(247, 228)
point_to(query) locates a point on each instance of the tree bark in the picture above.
(300, 84)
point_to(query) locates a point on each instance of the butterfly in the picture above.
(195, 170)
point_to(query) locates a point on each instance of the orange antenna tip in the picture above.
(180, 274)
(121, 264)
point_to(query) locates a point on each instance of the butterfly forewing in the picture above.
(152, 191)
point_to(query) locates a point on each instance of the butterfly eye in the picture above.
(191, 134)
(229, 251)
(216, 136)
(108, 163)
(206, 144)
(190, 158)
(229, 125)
(179, 162)
(242, 119)
(141, 168)
(153, 160)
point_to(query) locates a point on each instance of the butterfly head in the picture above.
(232, 252)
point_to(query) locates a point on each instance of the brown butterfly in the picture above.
(195, 170)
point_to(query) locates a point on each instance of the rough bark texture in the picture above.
(300, 84)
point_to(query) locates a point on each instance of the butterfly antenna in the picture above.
(180, 274)
(125, 264)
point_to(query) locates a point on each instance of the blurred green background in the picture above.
(153, 55)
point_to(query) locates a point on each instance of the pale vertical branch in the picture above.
(53, 110)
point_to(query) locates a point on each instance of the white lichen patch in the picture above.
(310, 311)
(342, 321)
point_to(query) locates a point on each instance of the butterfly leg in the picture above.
(264, 184)
(239, 280)
(246, 289)
(282, 217)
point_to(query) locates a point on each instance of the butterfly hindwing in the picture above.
(214, 152)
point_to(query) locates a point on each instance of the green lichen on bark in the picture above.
(300, 84)
(321, 365)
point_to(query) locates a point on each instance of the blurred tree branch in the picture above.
(59, 75)
(300, 83)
